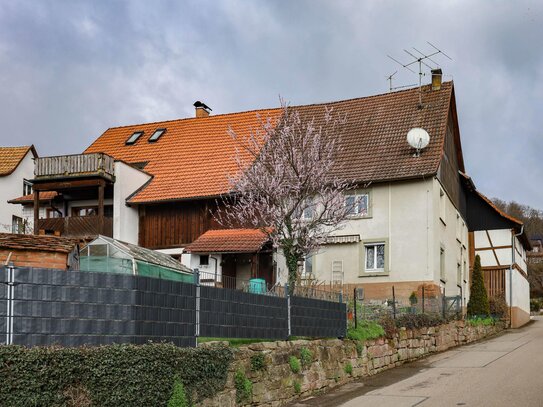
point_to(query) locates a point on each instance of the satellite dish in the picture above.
(418, 139)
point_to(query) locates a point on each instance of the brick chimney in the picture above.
(202, 110)
(436, 79)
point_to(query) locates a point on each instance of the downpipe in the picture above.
(513, 237)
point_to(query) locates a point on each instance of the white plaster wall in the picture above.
(406, 216)
(126, 218)
(521, 291)
(11, 186)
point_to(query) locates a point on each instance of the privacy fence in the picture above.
(45, 307)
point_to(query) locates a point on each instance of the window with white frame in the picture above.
(375, 257)
(337, 271)
(308, 210)
(307, 271)
(27, 187)
(357, 203)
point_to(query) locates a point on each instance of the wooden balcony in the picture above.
(74, 166)
(85, 226)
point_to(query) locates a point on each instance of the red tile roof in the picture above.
(229, 241)
(37, 243)
(44, 196)
(10, 157)
(195, 156)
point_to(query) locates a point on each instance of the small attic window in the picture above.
(156, 135)
(134, 137)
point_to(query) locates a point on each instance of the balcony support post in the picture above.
(101, 207)
(36, 212)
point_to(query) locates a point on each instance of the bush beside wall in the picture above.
(114, 375)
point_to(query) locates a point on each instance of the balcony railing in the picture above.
(78, 165)
(84, 226)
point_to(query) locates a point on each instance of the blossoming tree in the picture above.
(287, 184)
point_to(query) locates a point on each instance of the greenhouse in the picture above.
(108, 255)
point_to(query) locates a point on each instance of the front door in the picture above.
(229, 271)
(265, 268)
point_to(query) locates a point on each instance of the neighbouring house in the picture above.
(108, 255)
(51, 252)
(16, 168)
(83, 196)
(502, 245)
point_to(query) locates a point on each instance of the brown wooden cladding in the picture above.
(494, 281)
(83, 226)
(175, 224)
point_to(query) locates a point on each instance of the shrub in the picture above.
(348, 368)
(365, 330)
(478, 301)
(388, 325)
(498, 306)
(294, 363)
(244, 387)
(179, 398)
(536, 304)
(306, 357)
(415, 321)
(413, 298)
(110, 376)
(258, 362)
(479, 321)
(297, 386)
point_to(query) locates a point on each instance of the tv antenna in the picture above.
(391, 88)
(421, 59)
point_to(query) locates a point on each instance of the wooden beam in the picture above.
(59, 185)
(36, 210)
(101, 208)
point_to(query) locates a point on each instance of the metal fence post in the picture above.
(423, 298)
(197, 304)
(289, 327)
(393, 303)
(355, 306)
(10, 299)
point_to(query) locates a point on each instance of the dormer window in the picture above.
(134, 137)
(156, 135)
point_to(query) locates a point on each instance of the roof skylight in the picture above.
(134, 137)
(156, 135)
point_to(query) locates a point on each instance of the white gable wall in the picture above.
(11, 186)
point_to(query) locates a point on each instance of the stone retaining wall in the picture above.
(276, 384)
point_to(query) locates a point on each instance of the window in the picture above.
(27, 187)
(91, 211)
(204, 260)
(309, 209)
(337, 271)
(17, 225)
(442, 264)
(52, 213)
(134, 137)
(308, 267)
(442, 206)
(458, 273)
(156, 135)
(357, 204)
(375, 257)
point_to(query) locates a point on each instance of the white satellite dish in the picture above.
(418, 139)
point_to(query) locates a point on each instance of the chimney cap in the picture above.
(437, 71)
(198, 104)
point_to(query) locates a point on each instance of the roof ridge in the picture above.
(277, 108)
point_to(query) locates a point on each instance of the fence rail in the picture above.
(45, 307)
(74, 165)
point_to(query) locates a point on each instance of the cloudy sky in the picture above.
(71, 69)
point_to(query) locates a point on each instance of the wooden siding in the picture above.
(494, 281)
(449, 167)
(175, 224)
(74, 165)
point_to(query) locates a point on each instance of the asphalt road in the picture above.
(504, 371)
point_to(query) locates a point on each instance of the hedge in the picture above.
(113, 375)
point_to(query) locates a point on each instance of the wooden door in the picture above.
(228, 271)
